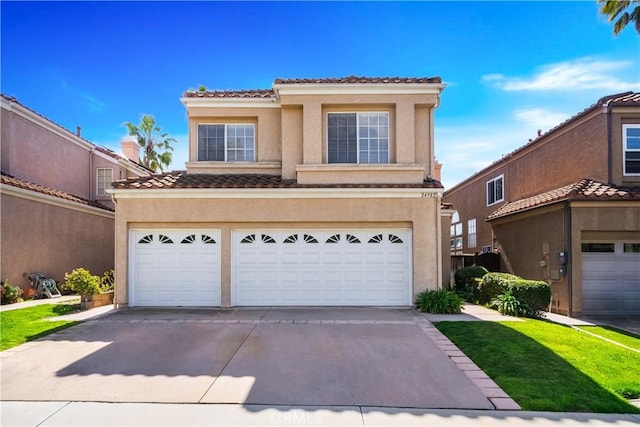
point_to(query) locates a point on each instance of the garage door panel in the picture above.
(175, 268)
(611, 282)
(322, 267)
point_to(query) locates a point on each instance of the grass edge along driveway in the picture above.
(27, 324)
(549, 367)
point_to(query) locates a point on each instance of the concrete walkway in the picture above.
(31, 303)
(150, 414)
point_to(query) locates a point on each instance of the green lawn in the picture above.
(549, 367)
(26, 324)
(617, 335)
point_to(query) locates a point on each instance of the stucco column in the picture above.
(292, 134)
(405, 132)
(312, 133)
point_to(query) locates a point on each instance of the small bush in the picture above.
(10, 294)
(82, 282)
(492, 285)
(467, 280)
(106, 281)
(509, 305)
(439, 302)
(533, 295)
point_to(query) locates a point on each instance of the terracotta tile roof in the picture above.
(270, 93)
(180, 179)
(625, 99)
(15, 182)
(250, 93)
(585, 189)
(360, 79)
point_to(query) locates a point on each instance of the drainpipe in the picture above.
(569, 265)
(91, 187)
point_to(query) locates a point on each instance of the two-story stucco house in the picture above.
(313, 192)
(55, 213)
(564, 208)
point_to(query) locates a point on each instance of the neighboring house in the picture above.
(564, 208)
(314, 192)
(56, 214)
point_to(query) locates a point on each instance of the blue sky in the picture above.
(510, 67)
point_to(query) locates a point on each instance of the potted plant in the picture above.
(84, 284)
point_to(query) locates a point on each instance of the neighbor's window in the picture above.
(631, 149)
(471, 233)
(226, 142)
(456, 237)
(495, 190)
(358, 137)
(104, 178)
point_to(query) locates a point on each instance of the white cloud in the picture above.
(579, 74)
(540, 118)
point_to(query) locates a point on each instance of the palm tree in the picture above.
(616, 10)
(156, 146)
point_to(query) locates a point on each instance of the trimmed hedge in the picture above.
(534, 294)
(467, 279)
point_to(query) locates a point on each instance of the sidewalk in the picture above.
(153, 414)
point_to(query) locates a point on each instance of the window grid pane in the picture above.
(358, 138)
(228, 142)
(103, 180)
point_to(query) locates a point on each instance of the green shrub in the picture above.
(82, 282)
(10, 294)
(492, 285)
(533, 295)
(509, 305)
(467, 280)
(106, 281)
(439, 302)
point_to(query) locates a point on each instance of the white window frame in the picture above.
(471, 233)
(626, 150)
(457, 242)
(357, 113)
(105, 183)
(226, 147)
(494, 180)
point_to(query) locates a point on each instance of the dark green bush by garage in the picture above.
(439, 302)
(534, 294)
(466, 281)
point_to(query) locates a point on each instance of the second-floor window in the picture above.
(358, 137)
(226, 142)
(495, 190)
(471, 233)
(631, 149)
(104, 178)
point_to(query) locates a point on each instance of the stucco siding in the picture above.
(419, 214)
(530, 245)
(52, 240)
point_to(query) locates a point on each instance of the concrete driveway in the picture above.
(279, 356)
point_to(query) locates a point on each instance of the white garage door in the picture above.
(611, 278)
(175, 268)
(321, 267)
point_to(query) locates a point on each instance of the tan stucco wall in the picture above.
(295, 133)
(52, 240)
(529, 239)
(268, 129)
(578, 152)
(420, 214)
(619, 220)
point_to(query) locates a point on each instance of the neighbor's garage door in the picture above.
(611, 278)
(321, 267)
(175, 268)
